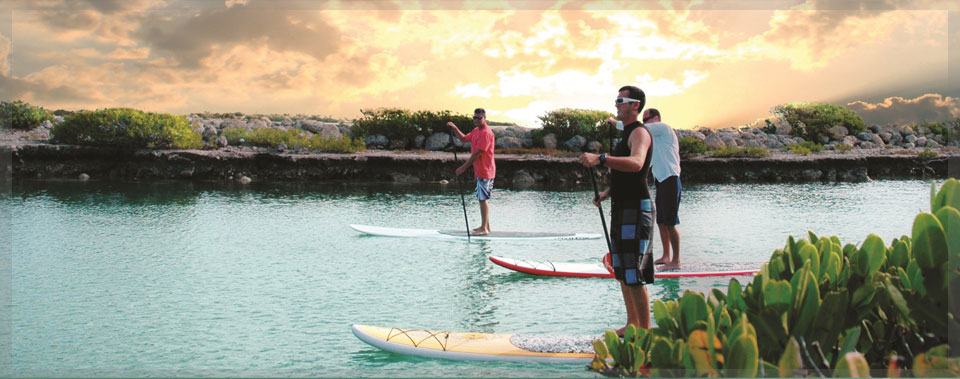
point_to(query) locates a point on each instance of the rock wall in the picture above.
(518, 171)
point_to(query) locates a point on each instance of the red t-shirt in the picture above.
(482, 139)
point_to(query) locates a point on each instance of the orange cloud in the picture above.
(897, 110)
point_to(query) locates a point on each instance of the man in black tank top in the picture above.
(632, 210)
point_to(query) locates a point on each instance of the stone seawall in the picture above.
(46, 161)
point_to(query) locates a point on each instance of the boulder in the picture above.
(932, 143)
(714, 141)
(508, 143)
(330, 131)
(257, 124)
(221, 141)
(575, 144)
(418, 142)
(232, 123)
(377, 141)
(885, 136)
(838, 132)
(910, 138)
(550, 141)
(522, 179)
(783, 127)
(906, 130)
(209, 132)
(594, 146)
(437, 142)
(895, 139)
(877, 140)
(865, 136)
(849, 141)
(312, 126)
(922, 141)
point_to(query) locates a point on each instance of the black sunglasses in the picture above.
(478, 117)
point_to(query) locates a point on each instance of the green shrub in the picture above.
(740, 152)
(130, 128)
(20, 115)
(817, 305)
(691, 146)
(566, 123)
(813, 120)
(927, 154)
(950, 130)
(292, 138)
(804, 148)
(401, 124)
(842, 147)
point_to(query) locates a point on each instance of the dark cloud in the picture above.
(12, 88)
(897, 110)
(191, 40)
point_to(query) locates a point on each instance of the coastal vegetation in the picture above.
(128, 128)
(691, 146)
(291, 139)
(817, 308)
(22, 116)
(804, 148)
(740, 152)
(812, 121)
(567, 123)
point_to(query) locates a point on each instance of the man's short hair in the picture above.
(480, 111)
(636, 93)
(653, 112)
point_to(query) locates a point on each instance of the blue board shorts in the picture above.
(668, 201)
(631, 228)
(484, 189)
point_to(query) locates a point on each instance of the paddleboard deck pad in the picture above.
(479, 346)
(597, 269)
(461, 234)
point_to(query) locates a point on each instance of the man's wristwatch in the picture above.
(603, 159)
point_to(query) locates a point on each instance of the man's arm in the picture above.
(457, 131)
(639, 143)
(469, 162)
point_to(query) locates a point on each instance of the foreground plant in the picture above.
(817, 308)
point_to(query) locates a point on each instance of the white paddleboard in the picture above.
(478, 346)
(460, 234)
(596, 269)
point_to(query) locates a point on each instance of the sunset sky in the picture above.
(702, 63)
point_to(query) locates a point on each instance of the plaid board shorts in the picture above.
(484, 189)
(631, 230)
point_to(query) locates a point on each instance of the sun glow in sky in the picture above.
(714, 63)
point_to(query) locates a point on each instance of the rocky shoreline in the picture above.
(889, 152)
(245, 165)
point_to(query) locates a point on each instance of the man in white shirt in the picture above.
(666, 175)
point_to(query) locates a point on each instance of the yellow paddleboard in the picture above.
(477, 346)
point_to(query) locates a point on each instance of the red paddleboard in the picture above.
(597, 269)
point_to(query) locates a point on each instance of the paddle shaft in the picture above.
(596, 195)
(463, 202)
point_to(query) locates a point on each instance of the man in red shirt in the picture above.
(482, 141)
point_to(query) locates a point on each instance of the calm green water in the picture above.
(172, 279)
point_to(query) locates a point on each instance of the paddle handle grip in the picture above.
(596, 195)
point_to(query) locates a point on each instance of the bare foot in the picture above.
(661, 261)
(479, 232)
(670, 266)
